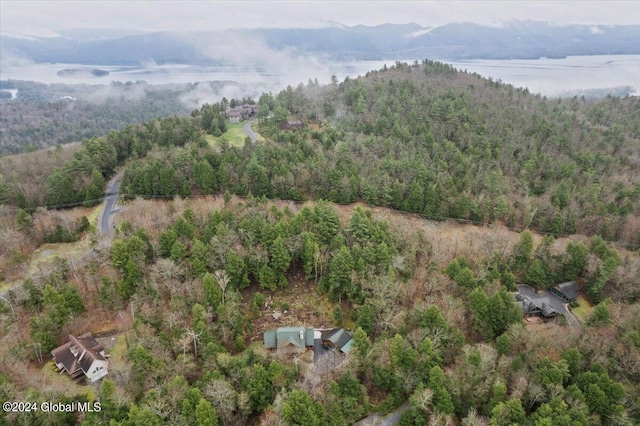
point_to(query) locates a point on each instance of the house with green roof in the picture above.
(338, 338)
(289, 339)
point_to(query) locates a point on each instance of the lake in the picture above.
(551, 77)
(548, 77)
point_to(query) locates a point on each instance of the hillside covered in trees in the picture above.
(421, 138)
(434, 193)
(193, 284)
(44, 115)
(428, 139)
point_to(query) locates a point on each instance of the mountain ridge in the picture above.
(509, 40)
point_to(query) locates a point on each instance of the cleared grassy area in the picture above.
(46, 253)
(582, 312)
(120, 348)
(234, 136)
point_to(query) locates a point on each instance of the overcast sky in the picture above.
(29, 17)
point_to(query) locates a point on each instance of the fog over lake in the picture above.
(549, 77)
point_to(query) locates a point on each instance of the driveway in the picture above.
(110, 205)
(559, 305)
(249, 132)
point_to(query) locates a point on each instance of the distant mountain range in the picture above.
(456, 41)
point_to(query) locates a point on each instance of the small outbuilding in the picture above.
(566, 291)
(338, 338)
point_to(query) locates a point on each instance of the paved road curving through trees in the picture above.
(110, 205)
(249, 132)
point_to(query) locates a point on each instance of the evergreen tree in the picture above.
(237, 270)
(415, 199)
(539, 275)
(441, 397)
(257, 180)
(178, 252)
(205, 414)
(167, 239)
(480, 308)
(508, 413)
(95, 190)
(267, 278)
(310, 254)
(260, 388)
(199, 257)
(522, 252)
(300, 409)
(338, 280)
(212, 291)
(280, 260)
(575, 261)
(362, 346)
(326, 222)
(366, 318)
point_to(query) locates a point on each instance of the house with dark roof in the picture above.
(535, 306)
(241, 113)
(289, 339)
(338, 338)
(82, 355)
(249, 110)
(566, 291)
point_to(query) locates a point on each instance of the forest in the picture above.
(407, 208)
(195, 283)
(44, 115)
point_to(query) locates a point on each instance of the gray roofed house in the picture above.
(536, 306)
(289, 339)
(234, 116)
(566, 291)
(347, 347)
(337, 338)
(547, 310)
(242, 113)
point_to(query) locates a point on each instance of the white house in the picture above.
(82, 355)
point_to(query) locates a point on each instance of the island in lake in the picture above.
(82, 72)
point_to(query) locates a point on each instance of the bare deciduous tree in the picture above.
(195, 338)
(474, 419)
(422, 399)
(223, 398)
(223, 281)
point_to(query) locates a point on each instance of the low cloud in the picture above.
(253, 59)
(11, 59)
(130, 92)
